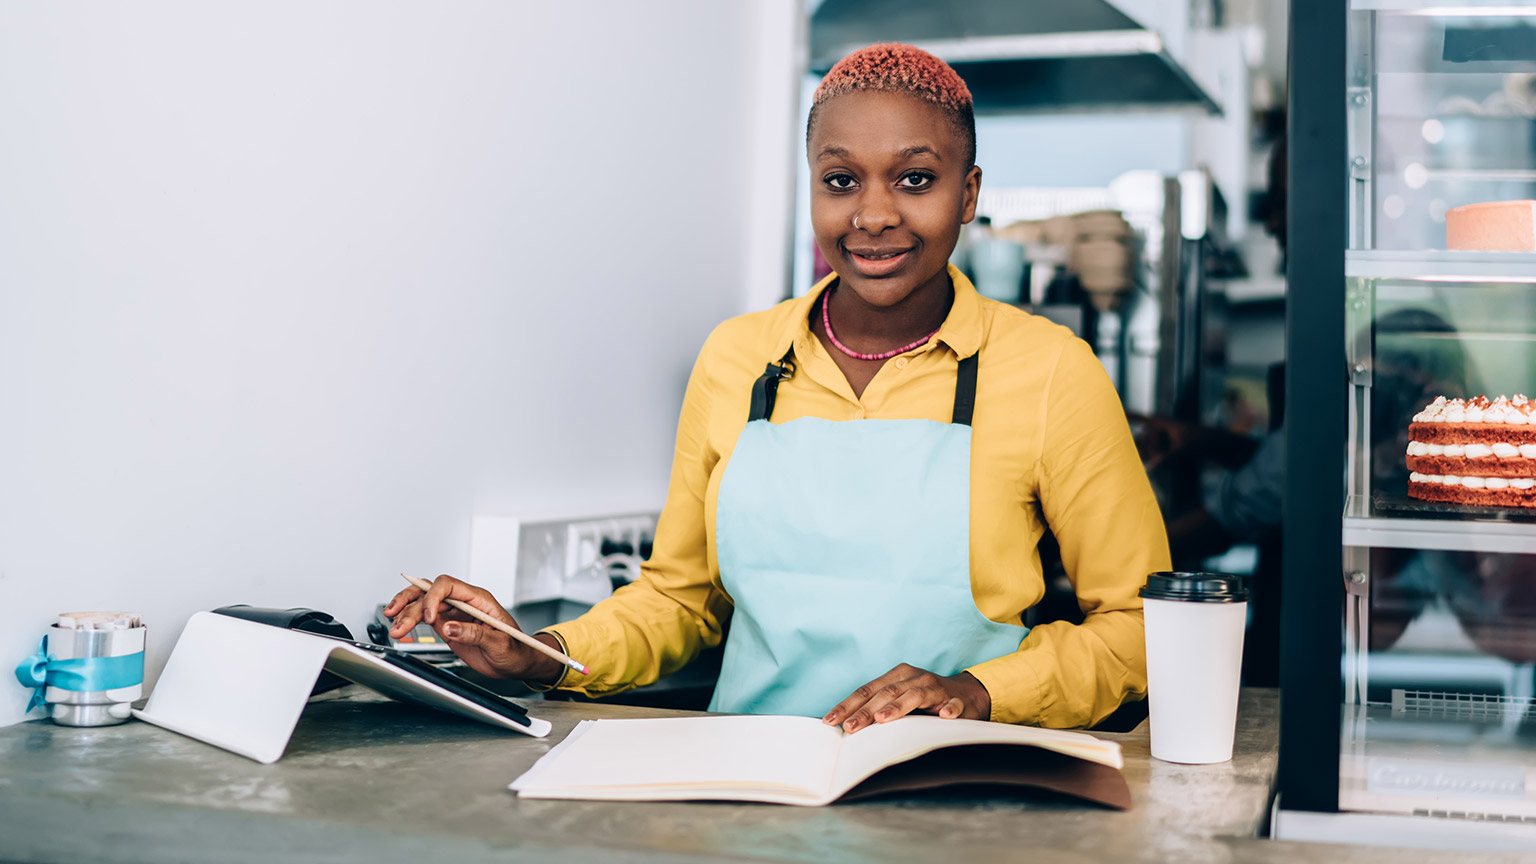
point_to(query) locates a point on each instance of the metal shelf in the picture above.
(1442, 266)
(1373, 532)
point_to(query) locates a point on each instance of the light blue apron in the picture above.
(845, 546)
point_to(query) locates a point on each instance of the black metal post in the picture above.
(1315, 397)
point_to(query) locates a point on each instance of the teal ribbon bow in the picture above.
(81, 675)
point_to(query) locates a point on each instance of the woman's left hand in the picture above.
(906, 689)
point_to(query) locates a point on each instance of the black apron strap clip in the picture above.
(965, 391)
(766, 389)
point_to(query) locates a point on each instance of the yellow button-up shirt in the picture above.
(1050, 446)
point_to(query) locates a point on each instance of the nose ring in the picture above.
(855, 223)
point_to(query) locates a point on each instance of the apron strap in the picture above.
(965, 391)
(766, 389)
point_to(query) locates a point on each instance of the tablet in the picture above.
(242, 685)
(487, 699)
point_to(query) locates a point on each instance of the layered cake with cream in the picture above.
(1474, 452)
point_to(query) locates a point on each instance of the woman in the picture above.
(865, 509)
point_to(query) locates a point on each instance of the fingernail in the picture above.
(882, 713)
(451, 631)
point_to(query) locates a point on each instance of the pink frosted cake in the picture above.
(1474, 452)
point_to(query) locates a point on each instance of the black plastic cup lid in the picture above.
(1195, 588)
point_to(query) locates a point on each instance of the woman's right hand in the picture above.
(482, 647)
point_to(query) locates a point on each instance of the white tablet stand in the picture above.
(241, 686)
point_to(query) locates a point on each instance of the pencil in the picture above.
(503, 627)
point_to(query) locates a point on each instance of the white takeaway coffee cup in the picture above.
(1195, 625)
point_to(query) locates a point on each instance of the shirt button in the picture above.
(859, 414)
(901, 362)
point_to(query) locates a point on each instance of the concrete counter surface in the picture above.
(371, 780)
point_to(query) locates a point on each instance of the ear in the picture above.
(972, 192)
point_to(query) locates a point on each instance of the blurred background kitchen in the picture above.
(296, 296)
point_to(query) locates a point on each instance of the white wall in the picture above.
(778, 146)
(289, 291)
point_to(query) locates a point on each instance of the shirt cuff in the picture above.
(564, 669)
(1015, 687)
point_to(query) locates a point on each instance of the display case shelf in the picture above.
(1448, 8)
(1398, 522)
(1383, 532)
(1442, 266)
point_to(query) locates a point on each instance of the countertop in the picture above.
(365, 779)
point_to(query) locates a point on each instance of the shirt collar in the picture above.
(961, 329)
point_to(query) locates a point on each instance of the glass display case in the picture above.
(1430, 697)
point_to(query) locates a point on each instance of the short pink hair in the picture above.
(892, 67)
(896, 68)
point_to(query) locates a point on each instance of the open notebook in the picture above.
(800, 760)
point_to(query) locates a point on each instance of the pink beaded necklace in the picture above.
(826, 321)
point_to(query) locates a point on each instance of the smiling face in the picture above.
(896, 164)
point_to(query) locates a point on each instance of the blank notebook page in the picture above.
(788, 753)
(874, 747)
